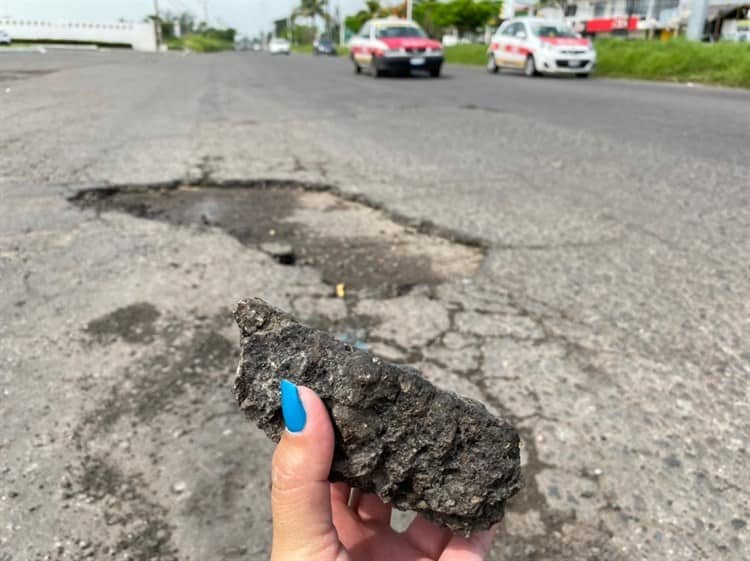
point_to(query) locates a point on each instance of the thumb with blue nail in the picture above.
(315, 520)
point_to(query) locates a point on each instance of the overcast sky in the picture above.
(249, 16)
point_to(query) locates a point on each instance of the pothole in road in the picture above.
(349, 242)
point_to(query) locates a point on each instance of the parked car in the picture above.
(540, 46)
(395, 45)
(257, 46)
(279, 46)
(5, 38)
(324, 47)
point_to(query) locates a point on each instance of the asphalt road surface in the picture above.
(573, 253)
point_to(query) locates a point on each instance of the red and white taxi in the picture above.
(540, 46)
(395, 45)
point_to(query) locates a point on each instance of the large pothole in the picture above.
(350, 243)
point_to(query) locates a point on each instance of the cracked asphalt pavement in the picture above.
(572, 253)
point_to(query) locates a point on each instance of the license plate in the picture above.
(417, 61)
(574, 63)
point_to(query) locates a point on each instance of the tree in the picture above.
(424, 14)
(373, 10)
(312, 9)
(187, 22)
(464, 15)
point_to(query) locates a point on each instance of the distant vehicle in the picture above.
(241, 44)
(257, 46)
(279, 46)
(540, 46)
(395, 45)
(5, 38)
(324, 47)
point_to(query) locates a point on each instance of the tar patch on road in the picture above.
(126, 431)
(192, 356)
(347, 241)
(133, 324)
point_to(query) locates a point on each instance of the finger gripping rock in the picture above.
(416, 446)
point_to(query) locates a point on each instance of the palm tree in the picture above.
(312, 9)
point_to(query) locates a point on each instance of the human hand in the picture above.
(315, 520)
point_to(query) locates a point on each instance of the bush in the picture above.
(200, 43)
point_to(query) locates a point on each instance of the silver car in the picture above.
(5, 38)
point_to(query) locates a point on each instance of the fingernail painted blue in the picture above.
(291, 407)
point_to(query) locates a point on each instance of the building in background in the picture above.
(138, 36)
(727, 19)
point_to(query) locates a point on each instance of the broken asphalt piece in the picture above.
(397, 435)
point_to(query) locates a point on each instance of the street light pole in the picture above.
(409, 6)
(697, 21)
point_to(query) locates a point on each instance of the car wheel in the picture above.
(435, 72)
(492, 66)
(530, 67)
(583, 75)
(357, 67)
(374, 70)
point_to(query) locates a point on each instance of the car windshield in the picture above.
(389, 31)
(552, 30)
(325, 43)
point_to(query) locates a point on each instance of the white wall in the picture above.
(141, 36)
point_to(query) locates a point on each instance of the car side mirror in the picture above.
(521, 34)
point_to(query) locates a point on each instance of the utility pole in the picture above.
(157, 23)
(650, 19)
(342, 25)
(409, 9)
(697, 21)
(205, 12)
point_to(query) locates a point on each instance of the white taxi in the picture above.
(540, 46)
(395, 45)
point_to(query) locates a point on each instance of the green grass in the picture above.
(466, 54)
(725, 64)
(200, 44)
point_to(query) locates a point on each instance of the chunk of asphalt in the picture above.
(414, 445)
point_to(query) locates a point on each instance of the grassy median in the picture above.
(302, 49)
(725, 64)
(200, 44)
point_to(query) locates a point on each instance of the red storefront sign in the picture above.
(607, 25)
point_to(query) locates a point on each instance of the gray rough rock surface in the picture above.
(397, 435)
